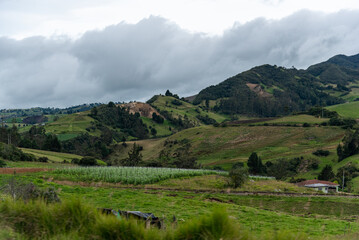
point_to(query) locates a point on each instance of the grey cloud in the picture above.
(134, 61)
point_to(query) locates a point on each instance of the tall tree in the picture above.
(255, 165)
(326, 174)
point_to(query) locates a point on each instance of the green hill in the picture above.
(271, 91)
(70, 126)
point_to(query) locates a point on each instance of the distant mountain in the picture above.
(339, 69)
(271, 90)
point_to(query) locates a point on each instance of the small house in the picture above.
(320, 185)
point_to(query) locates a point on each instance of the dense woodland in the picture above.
(287, 90)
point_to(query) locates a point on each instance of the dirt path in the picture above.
(22, 170)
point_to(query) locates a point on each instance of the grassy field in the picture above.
(69, 126)
(162, 129)
(299, 119)
(52, 156)
(225, 146)
(317, 217)
(350, 110)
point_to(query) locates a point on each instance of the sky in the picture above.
(60, 53)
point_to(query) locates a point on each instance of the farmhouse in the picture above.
(319, 185)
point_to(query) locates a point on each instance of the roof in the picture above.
(316, 183)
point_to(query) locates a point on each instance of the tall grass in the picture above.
(75, 220)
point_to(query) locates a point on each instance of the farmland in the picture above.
(128, 175)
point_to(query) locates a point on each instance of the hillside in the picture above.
(225, 146)
(271, 90)
(350, 110)
(177, 108)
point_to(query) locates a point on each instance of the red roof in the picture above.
(315, 181)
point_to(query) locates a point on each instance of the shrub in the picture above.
(2, 163)
(88, 161)
(321, 152)
(238, 176)
(42, 159)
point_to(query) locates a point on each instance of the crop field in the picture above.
(349, 110)
(129, 175)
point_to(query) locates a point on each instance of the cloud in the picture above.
(135, 61)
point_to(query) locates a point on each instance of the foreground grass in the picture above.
(316, 217)
(74, 219)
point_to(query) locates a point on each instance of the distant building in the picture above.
(319, 185)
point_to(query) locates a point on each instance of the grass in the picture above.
(52, 156)
(34, 164)
(349, 110)
(70, 126)
(188, 109)
(299, 119)
(225, 146)
(162, 129)
(261, 216)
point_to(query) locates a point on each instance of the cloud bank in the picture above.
(127, 62)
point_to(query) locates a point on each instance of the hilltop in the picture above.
(271, 90)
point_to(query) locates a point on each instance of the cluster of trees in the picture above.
(291, 90)
(157, 118)
(349, 146)
(179, 122)
(12, 153)
(175, 154)
(120, 118)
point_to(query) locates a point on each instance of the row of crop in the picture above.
(130, 175)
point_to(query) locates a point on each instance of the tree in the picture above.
(238, 176)
(134, 156)
(255, 164)
(326, 174)
(2, 163)
(153, 131)
(88, 161)
(168, 93)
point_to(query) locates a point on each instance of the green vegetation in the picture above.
(52, 156)
(349, 110)
(127, 175)
(164, 103)
(299, 119)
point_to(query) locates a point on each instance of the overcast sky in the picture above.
(59, 53)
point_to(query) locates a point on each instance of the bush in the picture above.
(88, 161)
(42, 159)
(306, 125)
(2, 163)
(238, 176)
(321, 152)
